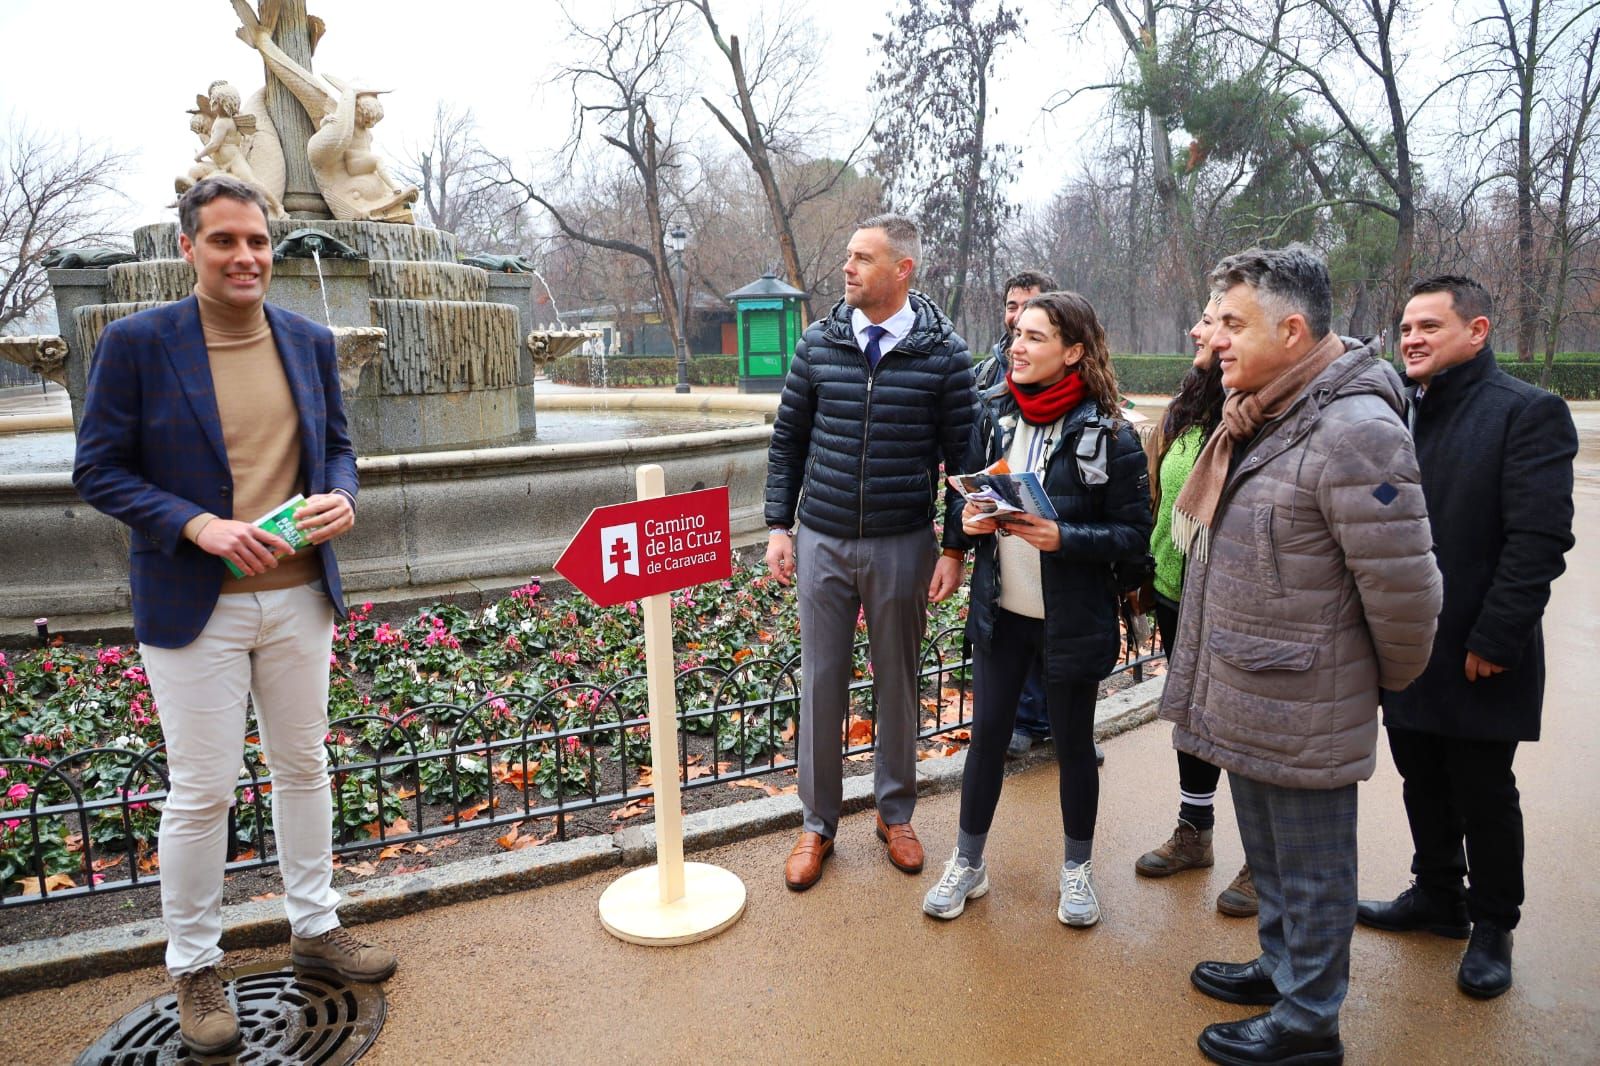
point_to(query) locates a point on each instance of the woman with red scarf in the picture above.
(1044, 587)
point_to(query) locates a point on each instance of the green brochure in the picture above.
(280, 522)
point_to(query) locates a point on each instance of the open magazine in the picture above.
(1000, 492)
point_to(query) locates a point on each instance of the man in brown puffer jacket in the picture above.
(1311, 584)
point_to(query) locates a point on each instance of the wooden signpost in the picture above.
(644, 551)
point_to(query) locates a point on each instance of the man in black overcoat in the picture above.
(1496, 457)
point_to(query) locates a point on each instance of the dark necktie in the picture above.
(874, 353)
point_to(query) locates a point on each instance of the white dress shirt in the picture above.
(898, 326)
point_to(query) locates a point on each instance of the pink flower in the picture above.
(385, 635)
(109, 656)
(136, 675)
(18, 792)
(513, 644)
(48, 666)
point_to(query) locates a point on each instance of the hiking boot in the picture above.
(1188, 849)
(959, 883)
(1079, 904)
(339, 953)
(1238, 900)
(206, 1021)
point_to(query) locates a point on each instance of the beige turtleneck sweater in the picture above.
(260, 430)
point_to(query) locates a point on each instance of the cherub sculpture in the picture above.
(349, 174)
(227, 132)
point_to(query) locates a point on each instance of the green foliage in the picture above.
(1157, 375)
(1571, 380)
(640, 371)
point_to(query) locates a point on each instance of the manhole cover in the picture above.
(284, 1017)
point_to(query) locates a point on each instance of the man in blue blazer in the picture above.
(201, 417)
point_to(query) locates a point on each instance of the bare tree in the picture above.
(624, 83)
(1511, 65)
(454, 173)
(935, 149)
(54, 192)
(1310, 40)
(771, 92)
(1574, 214)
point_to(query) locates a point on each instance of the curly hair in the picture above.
(1074, 318)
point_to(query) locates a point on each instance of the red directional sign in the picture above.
(632, 550)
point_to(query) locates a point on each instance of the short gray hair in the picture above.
(905, 240)
(1292, 280)
(216, 187)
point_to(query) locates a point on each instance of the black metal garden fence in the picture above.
(446, 768)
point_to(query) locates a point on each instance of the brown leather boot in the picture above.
(339, 953)
(1238, 900)
(905, 850)
(804, 867)
(1187, 849)
(206, 1021)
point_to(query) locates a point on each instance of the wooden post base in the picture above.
(631, 909)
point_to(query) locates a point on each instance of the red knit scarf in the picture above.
(1042, 406)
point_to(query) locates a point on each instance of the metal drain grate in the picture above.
(286, 1017)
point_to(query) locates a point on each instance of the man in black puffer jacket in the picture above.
(878, 394)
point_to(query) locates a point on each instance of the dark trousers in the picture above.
(1194, 774)
(1466, 821)
(1301, 847)
(998, 673)
(1033, 711)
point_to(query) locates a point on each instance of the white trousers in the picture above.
(273, 646)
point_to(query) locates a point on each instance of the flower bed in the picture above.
(447, 720)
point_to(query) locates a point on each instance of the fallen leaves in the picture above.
(634, 809)
(470, 813)
(516, 840)
(860, 730)
(398, 827)
(31, 885)
(771, 790)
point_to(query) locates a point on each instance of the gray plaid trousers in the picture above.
(1301, 847)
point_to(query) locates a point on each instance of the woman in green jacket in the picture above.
(1189, 421)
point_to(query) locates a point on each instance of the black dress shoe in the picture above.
(1415, 909)
(1262, 1040)
(1236, 982)
(1486, 967)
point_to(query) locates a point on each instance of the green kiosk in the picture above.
(768, 317)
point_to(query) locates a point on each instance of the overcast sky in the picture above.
(124, 72)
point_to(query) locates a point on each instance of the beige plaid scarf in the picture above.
(1243, 415)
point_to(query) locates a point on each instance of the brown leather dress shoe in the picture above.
(804, 867)
(905, 850)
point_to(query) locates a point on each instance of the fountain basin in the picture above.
(492, 517)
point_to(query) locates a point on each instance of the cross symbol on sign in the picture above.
(620, 554)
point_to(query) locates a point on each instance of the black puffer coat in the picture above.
(859, 452)
(1496, 456)
(1101, 526)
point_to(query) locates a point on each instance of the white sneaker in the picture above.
(959, 883)
(1079, 905)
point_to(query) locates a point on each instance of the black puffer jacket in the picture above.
(859, 452)
(1101, 526)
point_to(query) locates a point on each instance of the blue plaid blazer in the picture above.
(151, 454)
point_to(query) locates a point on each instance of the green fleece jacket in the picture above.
(1176, 466)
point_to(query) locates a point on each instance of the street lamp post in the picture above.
(678, 240)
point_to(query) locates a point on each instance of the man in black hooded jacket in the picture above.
(879, 392)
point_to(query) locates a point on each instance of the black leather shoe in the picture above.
(1486, 967)
(1414, 909)
(1262, 1040)
(1236, 982)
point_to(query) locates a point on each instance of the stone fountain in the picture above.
(437, 360)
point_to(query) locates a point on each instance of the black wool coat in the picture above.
(1496, 456)
(1101, 526)
(856, 451)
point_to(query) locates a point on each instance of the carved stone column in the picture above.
(300, 196)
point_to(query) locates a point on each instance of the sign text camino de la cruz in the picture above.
(632, 550)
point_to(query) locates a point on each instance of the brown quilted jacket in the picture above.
(1320, 587)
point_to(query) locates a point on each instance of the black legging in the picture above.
(997, 676)
(1195, 775)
